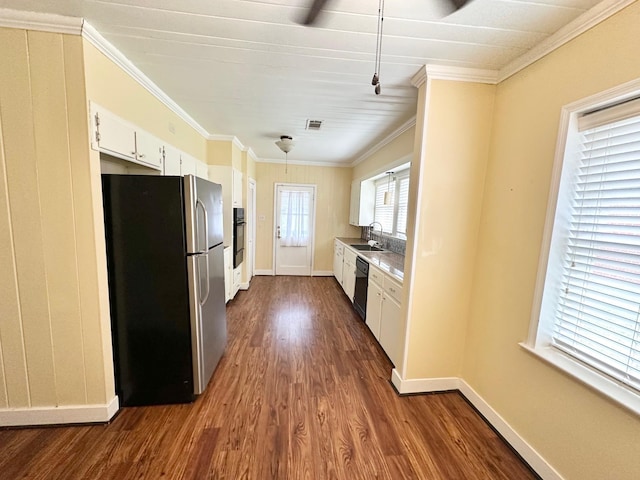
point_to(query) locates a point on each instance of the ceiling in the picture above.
(246, 67)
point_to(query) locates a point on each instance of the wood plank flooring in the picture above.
(302, 392)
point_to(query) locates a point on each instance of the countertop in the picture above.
(389, 262)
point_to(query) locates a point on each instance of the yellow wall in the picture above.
(52, 317)
(399, 148)
(583, 435)
(332, 209)
(450, 169)
(112, 88)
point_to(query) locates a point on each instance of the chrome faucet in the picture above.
(371, 229)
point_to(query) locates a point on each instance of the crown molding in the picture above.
(227, 138)
(457, 74)
(584, 22)
(251, 154)
(90, 34)
(281, 161)
(44, 22)
(385, 141)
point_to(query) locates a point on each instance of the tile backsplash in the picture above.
(396, 245)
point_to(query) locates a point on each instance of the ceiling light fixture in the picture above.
(387, 195)
(285, 144)
(375, 81)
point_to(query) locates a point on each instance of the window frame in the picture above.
(396, 178)
(538, 341)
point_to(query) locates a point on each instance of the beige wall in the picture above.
(52, 317)
(453, 148)
(583, 435)
(110, 87)
(332, 209)
(398, 149)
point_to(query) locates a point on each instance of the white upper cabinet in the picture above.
(149, 149)
(112, 135)
(171, 161)
(238, 178)
(187, 165)
(363, 197)
(202, 170)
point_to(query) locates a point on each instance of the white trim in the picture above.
(423, 385)
(245, 286)
(584, 22)
(68, 414)
(519, 444)
(251, 154)
(281, 161)
(385, 141)
(461, 74)
(90, 34)
(44, 22)
(322, 273)
(227, 138)
(265, 272)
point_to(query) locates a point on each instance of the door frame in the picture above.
(314, 188)
(251, 201)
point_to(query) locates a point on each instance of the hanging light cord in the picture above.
(378, 35)
(379, 48)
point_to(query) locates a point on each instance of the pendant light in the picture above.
(388, 200)
(375, 81)
(285, 144)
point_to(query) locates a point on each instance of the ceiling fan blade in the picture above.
(458, 4)
(314, 10)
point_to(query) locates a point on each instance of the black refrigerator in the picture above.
(166, 285)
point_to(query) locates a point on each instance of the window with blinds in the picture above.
(393, 214)
(590, 304)
(598, 313)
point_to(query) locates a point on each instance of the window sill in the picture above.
(621, 394)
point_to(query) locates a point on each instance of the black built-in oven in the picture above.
(362, 284)
(238, 236)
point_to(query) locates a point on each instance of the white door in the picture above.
(251, 228)
(294, 229)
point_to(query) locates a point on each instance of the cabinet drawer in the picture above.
(350, 256)
(393, 289)
(338, 247)
(375, 275)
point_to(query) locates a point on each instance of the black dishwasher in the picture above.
(362, 283)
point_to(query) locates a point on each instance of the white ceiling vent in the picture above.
(314, 124)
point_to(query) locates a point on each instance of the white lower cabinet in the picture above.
(237, 274)
(338, 259)
(383, 313)
(228, 274)
(349, 273)
(374, 308)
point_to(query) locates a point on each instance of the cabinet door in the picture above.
(187, 165)
(148, 149)
(338, 261)
(390, 329)
(374, 306)
(171, 161)
(355, 202)
(228, 274)
(114, 136)
(237, 188)
(349, 273)
(237, 272)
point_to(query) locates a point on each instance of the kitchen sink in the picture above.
(367, 248)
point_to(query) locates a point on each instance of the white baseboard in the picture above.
(423, 385)
(263, 272)
(322, 273)
(526, 451)
(244, 286)
(20, 417)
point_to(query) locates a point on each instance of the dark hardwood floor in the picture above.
(302, 392)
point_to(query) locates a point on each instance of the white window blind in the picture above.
(384, 213)
(403, 202)
(598, 313)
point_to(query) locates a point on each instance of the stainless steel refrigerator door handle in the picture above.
(206, 227)
(203, 300)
